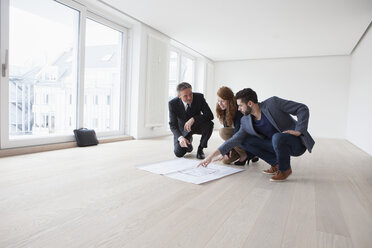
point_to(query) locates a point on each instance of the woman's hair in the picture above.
(226, 94)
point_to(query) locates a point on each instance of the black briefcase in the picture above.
(85, 137)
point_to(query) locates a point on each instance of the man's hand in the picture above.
(189, 124)
(208, 159)
(205, 162)
(183, 142)
(293, 132)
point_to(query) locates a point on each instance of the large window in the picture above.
(181, 69)
(49, 92)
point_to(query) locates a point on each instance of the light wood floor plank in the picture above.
(333, 241)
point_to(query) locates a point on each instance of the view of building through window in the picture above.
(43, 68)
(103, 52)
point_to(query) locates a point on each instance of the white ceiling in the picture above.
(254, 29)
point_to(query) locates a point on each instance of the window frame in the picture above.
(84, 13)
(123, 73)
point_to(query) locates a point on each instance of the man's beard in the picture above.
(248, 111)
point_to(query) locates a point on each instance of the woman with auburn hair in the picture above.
(229, 116)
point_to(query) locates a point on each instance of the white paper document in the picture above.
(185, 170)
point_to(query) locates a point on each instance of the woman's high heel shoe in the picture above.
(255, 159)
(240, 163)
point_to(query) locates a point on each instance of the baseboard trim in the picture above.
(52, 147)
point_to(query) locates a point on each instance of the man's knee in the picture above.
(278, 140)
(210, 124)
(202, 128)
(179, 153)
(250, 141)
(206, 125)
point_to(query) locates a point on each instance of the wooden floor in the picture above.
(95, 197)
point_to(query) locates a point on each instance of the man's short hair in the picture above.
(182, 86)
(246, 95)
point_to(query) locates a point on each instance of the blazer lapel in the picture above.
(182, 108)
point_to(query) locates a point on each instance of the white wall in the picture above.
(139, 104)
(322, 83)
(359, 119)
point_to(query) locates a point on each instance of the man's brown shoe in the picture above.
(272, 170)
(281, 176)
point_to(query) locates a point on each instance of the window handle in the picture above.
(4, 67)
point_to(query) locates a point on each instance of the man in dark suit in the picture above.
(268, 130)
(189, 114)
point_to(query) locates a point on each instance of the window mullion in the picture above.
(179, 63)
(80, 89)
(123, 85)
(4, 83)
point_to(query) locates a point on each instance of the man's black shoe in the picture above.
(189, 148)
(200, 154)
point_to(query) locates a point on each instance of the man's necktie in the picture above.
(188, 110)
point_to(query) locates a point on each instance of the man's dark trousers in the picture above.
(277, 150)
(204, 128)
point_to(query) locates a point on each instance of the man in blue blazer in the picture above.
(268, 130)
(189, 114)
